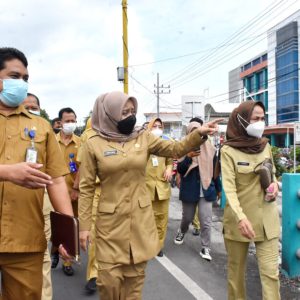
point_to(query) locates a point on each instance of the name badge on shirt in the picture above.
(154, 161)
(31, 155)
(110, 152)
(243, 163)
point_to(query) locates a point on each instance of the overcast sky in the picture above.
(74, 46)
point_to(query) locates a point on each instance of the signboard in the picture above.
(297, 132)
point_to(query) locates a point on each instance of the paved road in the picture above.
(182, 274)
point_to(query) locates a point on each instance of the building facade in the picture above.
(283, 71)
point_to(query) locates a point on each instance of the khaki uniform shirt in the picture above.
(155, 180)
(125, 220)
(21, 209)
(66, 150)
(245, 196)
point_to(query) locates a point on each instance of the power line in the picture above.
(190, 54)
(212, 54)
(212, 66)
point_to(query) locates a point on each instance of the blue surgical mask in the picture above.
(14, 92)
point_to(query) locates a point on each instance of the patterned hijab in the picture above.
(108, 107)
(236, 135)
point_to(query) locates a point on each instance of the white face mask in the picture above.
(68, 128)
(253, 129)
(35, 112)
(157, 132)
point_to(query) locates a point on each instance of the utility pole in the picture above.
(160, 89)
(125, 45)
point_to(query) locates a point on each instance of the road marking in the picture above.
(184, 279)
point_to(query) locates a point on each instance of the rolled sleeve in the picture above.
(55, 164)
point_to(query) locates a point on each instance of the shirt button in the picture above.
(127, 199)
(8, 157)
(9, 137)
(124, 154)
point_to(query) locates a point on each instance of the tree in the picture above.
(45, 115)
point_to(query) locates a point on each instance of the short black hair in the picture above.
(54, 121)
(67, 110)
(8, 53)
(196, 119)
(37, 99)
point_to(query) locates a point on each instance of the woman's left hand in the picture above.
(272, 191)
(210, 128)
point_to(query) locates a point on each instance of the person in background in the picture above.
(249, 216)
(126, 234)
(158, 177)
(32, 104)
(92, 267)
(28, 143)
(69, 144)
(195, 222)
(198, 188)
(56, 125)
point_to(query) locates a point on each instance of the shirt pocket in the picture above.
(144, 202)
(39, 144)
(107, 208)
(245, 174)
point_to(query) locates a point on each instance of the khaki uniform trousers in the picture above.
(161, 215)
(267, 257)
(196, 222)
(121, 282)
(92, 266)
(21, 275)
(47, 282)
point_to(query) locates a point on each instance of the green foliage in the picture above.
(297, 153)
(276, 157)
(45, 115)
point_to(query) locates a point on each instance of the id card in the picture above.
(31, 155)
(154, 161)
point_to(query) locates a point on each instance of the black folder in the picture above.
(65, 231)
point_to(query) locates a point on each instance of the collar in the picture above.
(73, 140)
(18, 111)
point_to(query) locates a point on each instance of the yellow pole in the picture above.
(125, 46)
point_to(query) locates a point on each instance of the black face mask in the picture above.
(56, 130)
(126, 126)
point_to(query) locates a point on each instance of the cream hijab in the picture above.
(107, 113)
(204, 161)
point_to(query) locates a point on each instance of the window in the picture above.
(247, 66)
(256, 61)
(287, 81)
(264, 57)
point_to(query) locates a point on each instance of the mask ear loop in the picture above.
(238, 116)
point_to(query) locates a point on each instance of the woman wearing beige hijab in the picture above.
(198, 189)
(126, 235)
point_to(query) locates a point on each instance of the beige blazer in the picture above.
(245, 196)
(125, 220)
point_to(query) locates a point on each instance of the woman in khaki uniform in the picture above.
(249, 214)
(126, 235)
(158, 176)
